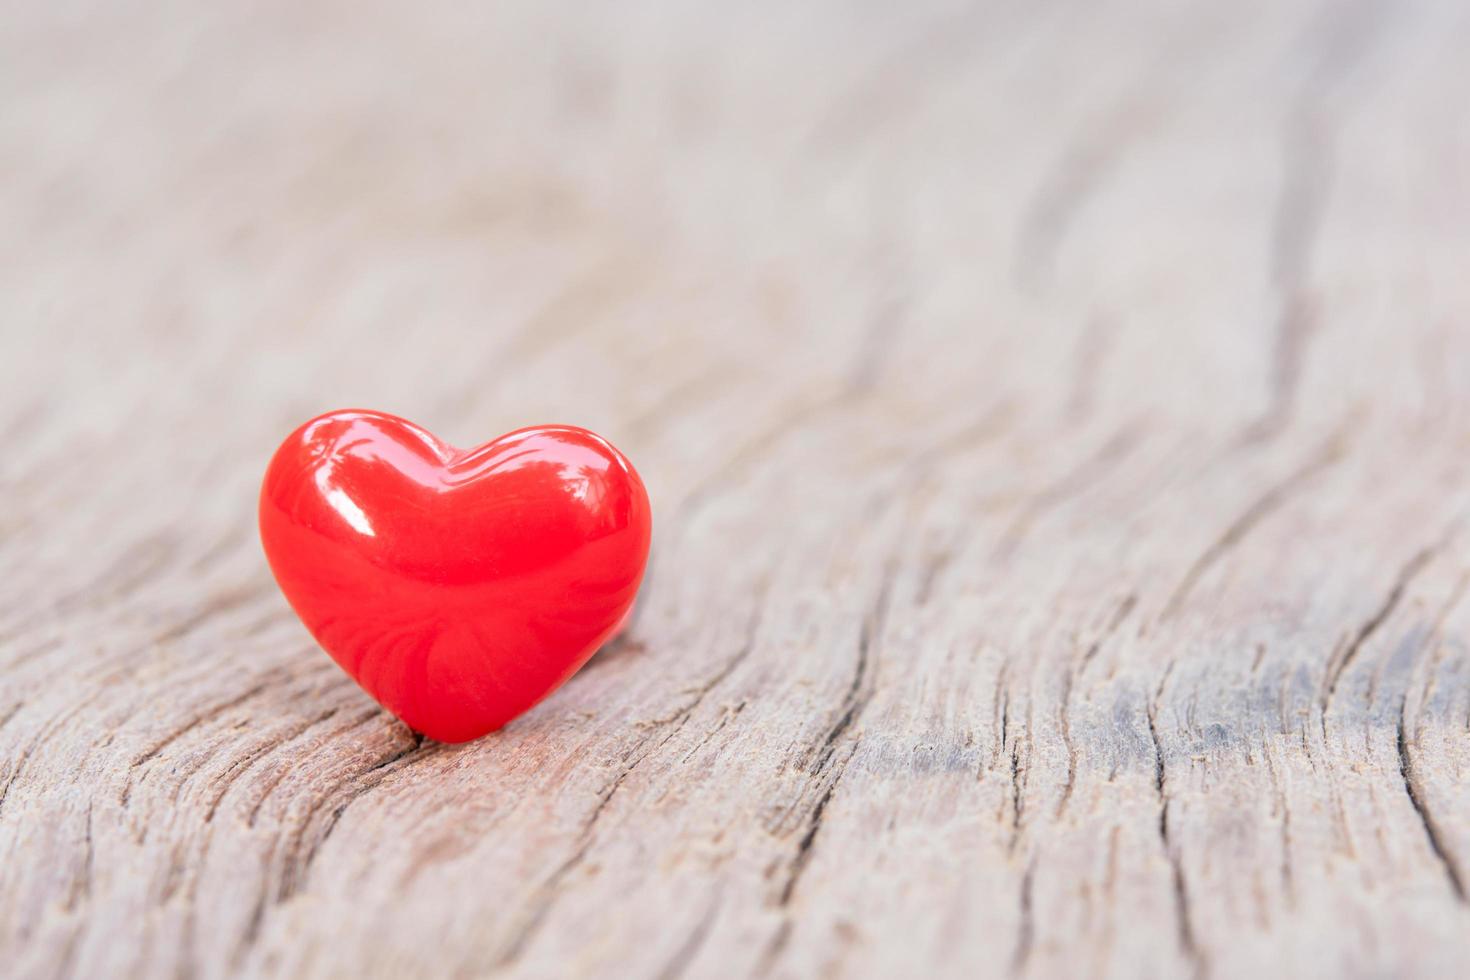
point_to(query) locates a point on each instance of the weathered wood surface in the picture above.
(1056, 418)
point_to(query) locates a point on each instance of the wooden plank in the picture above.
(1055, 417)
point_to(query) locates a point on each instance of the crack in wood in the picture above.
(1020, 776)
(367, 716)
(803, 854)
(550, 889)
(203, 717)
(779, 940)
(1081, 477)
(81, 888)
(1000, 707)
(223, 782)
(295, 866)
(33, 652)
(1018, 806)
(1414, 789)
(730, 713)
(350, 790)
(1346, 654)
(1072, 180)
(1064, 718)
(19, 764)
(1261, 508)
(1308, 154)
(1295, 228)
(1026, 929)
(761, 445)
(1183, 911)
(1120, 614)
(684, 956)
(855, 699)
(14, 710)
(1282, 804)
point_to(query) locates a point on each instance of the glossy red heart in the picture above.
(458, 587)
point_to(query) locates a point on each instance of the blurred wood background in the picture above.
(1056, 420)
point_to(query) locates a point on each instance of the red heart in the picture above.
(457, 587)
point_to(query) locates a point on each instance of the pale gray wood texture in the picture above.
(1058, 422)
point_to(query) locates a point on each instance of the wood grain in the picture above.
(1056, 419)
